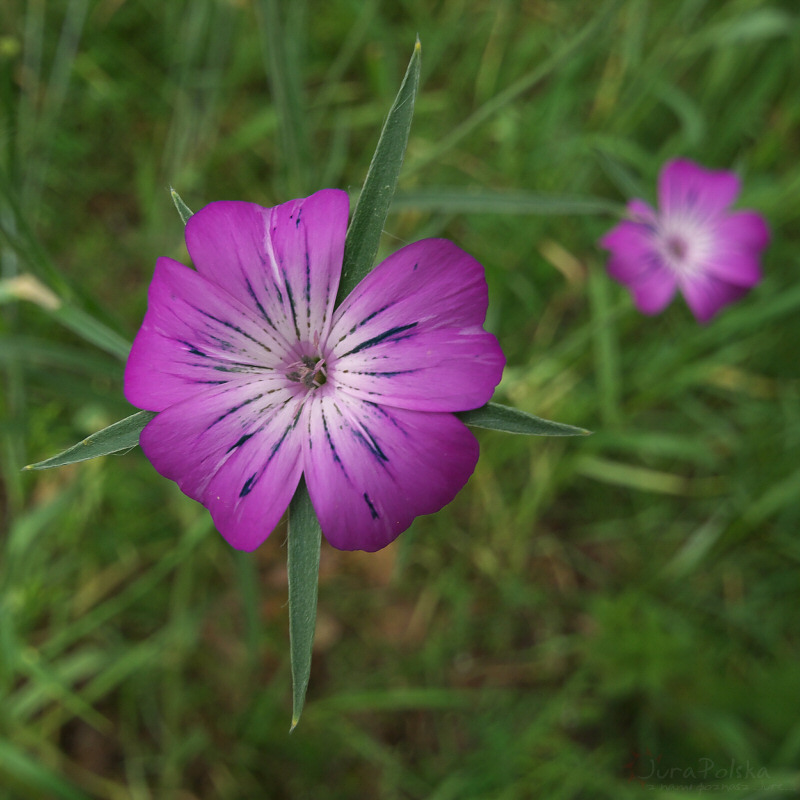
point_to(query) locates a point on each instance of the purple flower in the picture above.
(259, 381)
(692, 243)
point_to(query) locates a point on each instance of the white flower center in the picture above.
(684, 243)
(310, 371)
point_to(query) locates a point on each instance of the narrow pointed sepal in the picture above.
(305, 539)
(498, 417)
(116, 438)
(183, 209)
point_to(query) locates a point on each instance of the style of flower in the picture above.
(692, 243)
(258, 380)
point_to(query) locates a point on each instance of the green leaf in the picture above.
(305, 537)
(497, 417)
(364, 233)
(183, 209)
(116, 438)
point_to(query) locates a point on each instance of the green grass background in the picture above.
(581, 601)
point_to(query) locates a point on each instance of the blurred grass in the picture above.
(581, 601)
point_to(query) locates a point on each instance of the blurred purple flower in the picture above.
(259, 381)
(692, 243)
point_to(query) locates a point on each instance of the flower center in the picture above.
(677, 247)
(309, 370)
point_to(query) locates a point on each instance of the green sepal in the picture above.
(183, 209)
(497, 417)
(364, 233)
(360, 248)
(305, 537)
(124, 434)
(116, 438)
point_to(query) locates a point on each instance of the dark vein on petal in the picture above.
(383, 374)
(252, 294)
(232, 327)
(331, 445)
(391, 335)
(373, 315)
(241, 366)
(365, 321)
(241, 441)
(290, 298)
(280, 441)
(254, 478)
(372, 511)
(234, 409)
(387, 416)
(193, 350)
(368, 441)
(248, 485)
(308, 283)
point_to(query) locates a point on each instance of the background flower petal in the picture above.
(743, 230)
(370, 469)
(706, 295)
(284, 263)
(236, 450)
(193, 336)
(411, 333)
(632, 251)
(687, 188)
(737, 268)
(639, 211)
(653, 292)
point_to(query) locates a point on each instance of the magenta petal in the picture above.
(639, 211)
(370, 469)
(193, 336)
(411, 333)
(236, 450)
(685, 188)
(653, 291)
(706, 295)
(632, 251)
(737, 268)
(738, 241)
(283, 263)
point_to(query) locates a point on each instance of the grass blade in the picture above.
(279, 47)
(18, 769)
(519, 87)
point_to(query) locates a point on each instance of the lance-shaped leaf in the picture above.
(116, 438)
(364, 233)
(497, 417)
